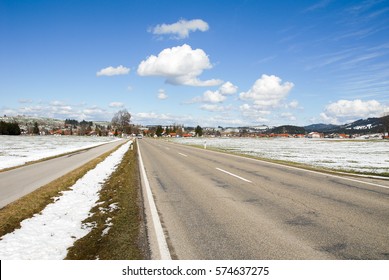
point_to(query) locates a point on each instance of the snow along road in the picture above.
(218, 206)
(48, 235)
(23, 180)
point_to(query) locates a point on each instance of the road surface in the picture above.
(18, 182)
(218, 206)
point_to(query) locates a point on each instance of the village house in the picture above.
(315, 135)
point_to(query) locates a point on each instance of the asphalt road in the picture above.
(18, 182)
(218, 206)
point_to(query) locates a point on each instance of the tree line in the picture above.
(9, 128)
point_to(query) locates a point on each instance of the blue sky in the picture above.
(227, 63)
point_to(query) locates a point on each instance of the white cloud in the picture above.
(94, 110)
(214, 108)
(350, 110)
(254, 113)
(268, 91)
(57, 103)
(25, 100)
(31, 110)
(116, 104)
(293, 104)
(61, 110)
(180, 65)
(112, 71)
(180, 29)
(217, 96)
(162, 94)
(288, 116)
(319, 5)
(245, 107)
(228, 88)
(155, 118)
(213, 97)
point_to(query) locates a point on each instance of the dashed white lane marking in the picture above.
(184, 155)
(162, 244)
(311, 171)
(232, 174)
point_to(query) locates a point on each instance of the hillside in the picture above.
(362, 126)
(288, 129)
(370, 125)
(321, 127)
(29, 121)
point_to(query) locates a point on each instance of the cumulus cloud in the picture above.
(228, 88)
(351, 110)
(180, 29)
(213, 97)
(162, 94)
(218, 95)
(268, 91)
(180, 65)
(112, 71)
(116, 104)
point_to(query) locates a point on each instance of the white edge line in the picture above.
(323, 173)
(232, 174)
(162, 244)
(307, 170)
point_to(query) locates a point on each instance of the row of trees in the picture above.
(122, 121)
(9, 128)
(178, 130)
(76, 123)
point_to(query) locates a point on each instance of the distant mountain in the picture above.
(371, 125)
(364, 124)
(321, 127)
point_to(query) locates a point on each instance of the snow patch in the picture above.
(49, 234)
(17, 150)
(352, 155)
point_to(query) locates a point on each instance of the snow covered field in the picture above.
(352, 155)
(48, 234)
(17, 150)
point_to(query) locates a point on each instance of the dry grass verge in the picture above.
(119, 230)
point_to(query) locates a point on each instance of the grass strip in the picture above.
(119, 230)
(14, 213)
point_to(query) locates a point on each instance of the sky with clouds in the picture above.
(213, 63)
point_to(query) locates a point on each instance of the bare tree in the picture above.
(121, 120)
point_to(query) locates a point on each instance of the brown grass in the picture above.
(126, 238)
